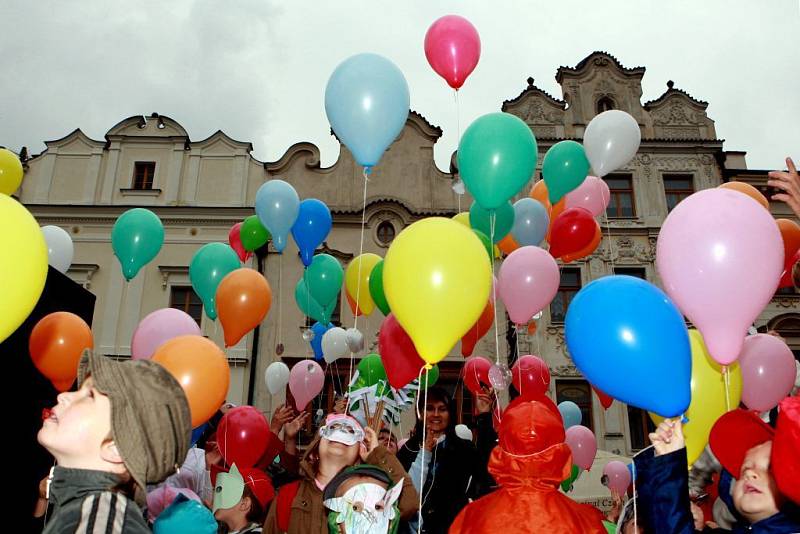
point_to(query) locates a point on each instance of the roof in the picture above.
(672, 91)
(635, 71)
(531, 88)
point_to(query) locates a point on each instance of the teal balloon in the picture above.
(564, 168)
(371, 370)
(481, 219)
(496, 158)
(136, 238)
(376, 289)
(324, 278)
(487, 244)
(311, 307)
(210, 264)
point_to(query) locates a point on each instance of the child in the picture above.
(241, 499)
(127, 426)
(362, 500)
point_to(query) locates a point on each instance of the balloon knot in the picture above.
(684, 419)
(428, 367)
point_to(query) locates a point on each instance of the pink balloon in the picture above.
(235, 241)
(527, 282)
(159, 327)
(720, 257)
(768, 371)
(305, 382)
(593, 195)
(619, 478)
(162, 496)
(453, 47)
(582, 443)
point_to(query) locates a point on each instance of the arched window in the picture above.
(386, 233)
(604, 104)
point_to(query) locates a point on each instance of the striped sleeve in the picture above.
(102, 513)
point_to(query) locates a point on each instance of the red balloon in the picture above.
(242, 436)
(400, 358)
(605, 400)
(235, 241)
(530, 377)
(478, 330)
(572, 231)
(476, 372)
(453, 47)
(786, 277)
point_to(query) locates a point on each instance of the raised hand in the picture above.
(292, 428)
(370, 443)
(282, 415)
(789, 184)
(668, 437)
(485, 401)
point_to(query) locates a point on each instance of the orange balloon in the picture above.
(748, 190)
(56, 345)
(555, 211)
(540, 193)
(202, 370)
(478, 330)
(353, 306)
(243, 299)
(588, 249)
(507, 244)
(532, 328)
(790, 232)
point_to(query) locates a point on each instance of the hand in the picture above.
(213, 456)
(43, 487)
(485, 401)
(370, 443)
(340, 405)
(616, 508)
(668, 437)
(292, 428)
(789, 184)
(282, 415)
(430, 441)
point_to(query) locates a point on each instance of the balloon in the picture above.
(530, 377)
(311, 307)
(319, 330)
(136, 238)
(605, 400)
(481, 219)
(243, 300)
(564, 168)
(787, 279)
(709, 243)
(210, 264)
(768, 371)
(748, 190)
(476, 372)
(370, 370)
(592, 195)
(570, 413)
(197, 433)
(242, 436)
(611, 140)
(324, 278)
(478, 330)
(573, 231)
(462, 218)
(356, 280)
(398, 354)
(496, 158)
(566, 484)
(376, 289)
(305, 382)
(528, 280)
(354, 339)
(619, 478)
(56, 345)
(500, 376)
(709, 401)
(11, 170)
(588, 249)
(276, 377)
(157, 328)
(636, 350)
(235, 241)
(59, 247)
(202, 370)
(790, 233)
(530, 222)
(555, 213)
(539, 192)
(430, 377)
(437, 279)
(583, 445)
(312, 226)
(367, 103)
(453, 47)
(334, 344)
(252, 233)
(508, 244)
(277, 207)
(484, 239)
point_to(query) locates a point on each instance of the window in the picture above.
(636, 272)
(579, 392)
(621, 204)
(605, 104)
(640, 425)
(568, 288)
(386, 233)
(184, 298)
(143, 174)
(677, 187)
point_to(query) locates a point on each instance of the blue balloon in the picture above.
(312, 226)
(570, 413)
(319, 330)
(367, 104)
(530, 222)
(277, 206)
(630, 341)
(187, 516)
(197, 433)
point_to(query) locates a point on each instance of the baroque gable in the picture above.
(541, 111)
(677, 115)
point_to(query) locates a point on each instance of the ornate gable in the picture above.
(541, 111)
(678, 115)
(153, 126)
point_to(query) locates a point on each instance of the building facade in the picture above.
(200, 189)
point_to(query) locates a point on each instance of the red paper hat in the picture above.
(785, 459)
(259, 483)
(734, 434)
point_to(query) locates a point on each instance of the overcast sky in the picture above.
(257, 69)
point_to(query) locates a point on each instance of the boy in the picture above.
(362, 500)
(241, 499)
(127, 426)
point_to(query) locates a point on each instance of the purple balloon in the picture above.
(527, 282)
(159, 327)
(768, 371)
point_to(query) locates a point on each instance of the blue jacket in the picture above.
(662, 486)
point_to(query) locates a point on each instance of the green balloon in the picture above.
(566, 485)
(496, 158)
(564, 168)
(481, 219)
(430, 378)
(324, 278)
(376, 289)
(309, 306)
(370, 368)
(210, 264)
(611, 528)
(485, 242)
(136, 238)
(253, 234)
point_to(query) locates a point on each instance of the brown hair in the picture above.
(125, 484)
(257, 513)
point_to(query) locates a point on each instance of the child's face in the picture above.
(235, 516)
(388, 441)
(755, 493)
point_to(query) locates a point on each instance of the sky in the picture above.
(257, 69)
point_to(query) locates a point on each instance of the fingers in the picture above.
(790, 166)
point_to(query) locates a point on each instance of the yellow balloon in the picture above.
(358, 286)
(23, 264)
(462, 218)
(708, 396)
(10, 172)
(437, 279)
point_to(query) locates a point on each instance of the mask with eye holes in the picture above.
(362, 500)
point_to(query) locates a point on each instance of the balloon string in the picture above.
(492, 218)
(360, 263)
(280, 299)
(424, 431)
(726, 375)
(610, 247)
(519, 367)
(123, 304)
(458, 138)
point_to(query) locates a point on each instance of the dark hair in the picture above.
(257, 513)
(435, 394)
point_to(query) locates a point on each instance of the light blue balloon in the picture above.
(530, 222)
(187, 516)
(367, 104)
(570, 413)
(277, 206)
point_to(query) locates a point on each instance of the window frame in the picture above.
(586, 406)
(141, 183)
(187, 301)
(616, 194)
(562, 288)
(681, 193)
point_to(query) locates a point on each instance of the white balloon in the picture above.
(59, 247)
(611, 141)
(463, 432)
(277, 377)
(355, 340)
(334, 344)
